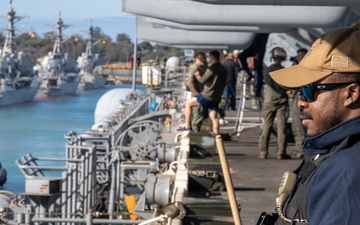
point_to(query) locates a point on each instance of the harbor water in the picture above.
(39, 128)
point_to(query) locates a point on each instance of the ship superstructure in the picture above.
(59, 72)
(18, 83)
(88, 62)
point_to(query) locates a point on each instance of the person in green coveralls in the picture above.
(199, 113)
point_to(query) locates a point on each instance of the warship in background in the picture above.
(18, 83)
(58, 71)
(88, 62)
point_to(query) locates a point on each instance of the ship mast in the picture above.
(90, 45)
(58, 48)
(10, 44)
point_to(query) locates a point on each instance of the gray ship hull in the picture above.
(59, 88)
(12, 96)
(97, 83)
(58, 91)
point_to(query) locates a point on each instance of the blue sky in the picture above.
(42, 14)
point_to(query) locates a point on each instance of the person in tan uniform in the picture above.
(276, 105)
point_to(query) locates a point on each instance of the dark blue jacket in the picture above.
(334, 191)
(232, 69)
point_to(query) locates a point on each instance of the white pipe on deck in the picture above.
(173, 36)
(191, 12)
(202, 46)
(256, 29)
(349, 3)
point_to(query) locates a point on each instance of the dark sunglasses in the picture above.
(307, 91)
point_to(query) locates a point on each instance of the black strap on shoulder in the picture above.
(306, 170)
(308, 166)
(296, 205)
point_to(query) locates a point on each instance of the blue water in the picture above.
(39, 128)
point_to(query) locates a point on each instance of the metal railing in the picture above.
(90, 172)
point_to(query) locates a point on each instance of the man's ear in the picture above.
(352, 94)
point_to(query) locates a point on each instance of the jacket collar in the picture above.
(328, 140)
